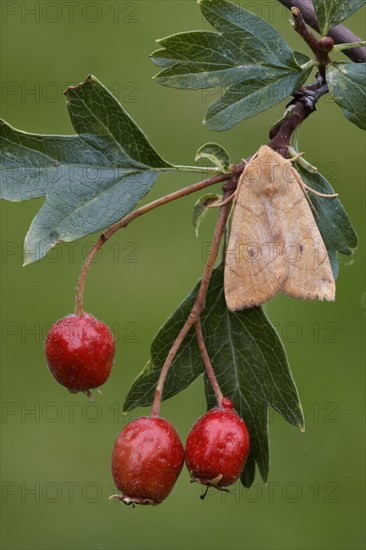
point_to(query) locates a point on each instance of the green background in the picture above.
(56, 461)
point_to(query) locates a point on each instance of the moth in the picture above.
(275, 244)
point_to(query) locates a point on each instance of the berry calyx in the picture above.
(217, 447)
(227, 404)
(147, 459)
(80, 352)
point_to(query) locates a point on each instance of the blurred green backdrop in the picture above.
(56, 447)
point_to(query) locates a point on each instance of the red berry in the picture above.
(217, 446)
(80, 352)
(147, 459)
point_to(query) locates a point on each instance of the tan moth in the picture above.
(275, 244)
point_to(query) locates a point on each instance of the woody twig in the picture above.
(340, 33)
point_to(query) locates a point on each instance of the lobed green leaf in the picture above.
(250, 97)
(247, 57)
(102, 123)
(90, 180)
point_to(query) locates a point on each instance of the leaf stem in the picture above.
(348, 45)
(309, 64)
(202, 169)
(206, 360)
(198, 305)
(124, 222)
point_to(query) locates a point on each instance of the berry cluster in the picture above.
(148, 455)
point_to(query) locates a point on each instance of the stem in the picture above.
(183, 168)
(348, 45)
(310, 64)
(339, 33)
(208, 366)
(79, 308)
(301, 107)
(301, 28)
(197, 307)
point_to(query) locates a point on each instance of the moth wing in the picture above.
(275, 244)
(310, 275)
(254, 271)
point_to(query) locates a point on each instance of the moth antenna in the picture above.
(296, 157)
(301, 160)
(319, 194)
(311, 190)
(232, 197)
(303, 186)
(232, 208)
(222, 203)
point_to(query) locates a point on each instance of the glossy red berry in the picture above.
(147, 459)
(217, 446)
(80, 352)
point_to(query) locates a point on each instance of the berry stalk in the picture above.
(124, 222)
(197, 307)
(206, 360)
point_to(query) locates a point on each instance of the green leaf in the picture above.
(248, 359)
(216, 154)
(260, 37)
(100, 121)
(331, 218)
(90, 180)
(247, 56)
(347, 84)
(201, 209)
(250, 97)
(301, 58)
(333, 12)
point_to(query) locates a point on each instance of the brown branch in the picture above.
(107, 234)
(299, 109)
(304, 32)
(305, 98)
(340, 33)
(319, 47)
(197, 307)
